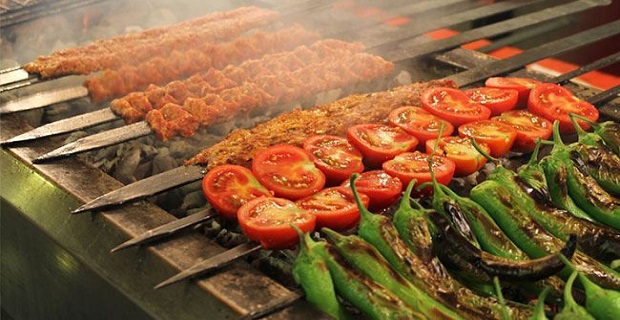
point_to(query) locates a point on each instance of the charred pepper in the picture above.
(368, 260)
(598, 159)
(531, 236)
(311, 272)
(609, 131)
(371, 298)
(428, 275)
(582, 188)
(572, 310)
(598, 241)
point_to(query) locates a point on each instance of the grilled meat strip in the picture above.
(266, 90)
(134, 106)
(134, 48)
(295, 126)
(182, 63)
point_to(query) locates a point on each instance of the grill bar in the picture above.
(411, 49)
(535, 54)
(42, 99)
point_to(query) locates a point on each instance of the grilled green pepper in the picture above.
(510, 270)
(598, 241)
(427, 274)
(311, 273)
(598, 159)
(371, 298)
(609, 131)
(582, 188)
(530, 236)
(364, 257)
(572, 310)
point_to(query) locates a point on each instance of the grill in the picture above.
(62, 261)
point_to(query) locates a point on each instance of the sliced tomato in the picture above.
(227, 187)
(419, 123)
(462, 152)
(335, 156)
(334, 208)
(288, 171)
(555, 102)
(529, 128)
(522, 85)
(268, 221)
(498, 136)
(453, 105)
(381, 188)
(414, 165)
(496, 99)
(379, 142)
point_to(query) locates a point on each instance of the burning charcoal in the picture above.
(124, 171)
(193, 200)
(163, 161)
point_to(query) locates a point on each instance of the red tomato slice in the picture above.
(498, 136)
(462, 152)
(379, 142)
(227, 187)
(522, 85)
(555, 102)
(529, 128)
(382, 189)
(453, 106)
(419, 123)
(335, 156)
(414, 165)
(498, 100)
(334, 208)
(268, 221)
(287, 171)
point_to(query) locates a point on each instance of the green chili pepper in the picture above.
(582, 188)
(599, 160)
(426, 274)
(530, 236)
(311, 273)
(609, 131)
(596, 240)
(368, 260)
(371, 298)
(572, 310)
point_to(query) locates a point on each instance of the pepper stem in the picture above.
(500, 297)
(362, 209)
(578, 128)
(489, 158)
(584, 119)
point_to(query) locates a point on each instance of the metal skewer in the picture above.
(167, 229)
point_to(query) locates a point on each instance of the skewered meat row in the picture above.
(115, 52)
(265, 90)
(134, 106)
(182, 63)
(296, 126)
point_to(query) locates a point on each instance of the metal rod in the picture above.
(98, 140)
(603, 62)
(167, 229)
(145, 188)
(71, 124)
(604, 96)
(408, 49)
(212, 263)
(549, 49)
(42, 99)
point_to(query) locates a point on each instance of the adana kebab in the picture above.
(136, 47)
(134, 106)
(180, 63)
(337, 71)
